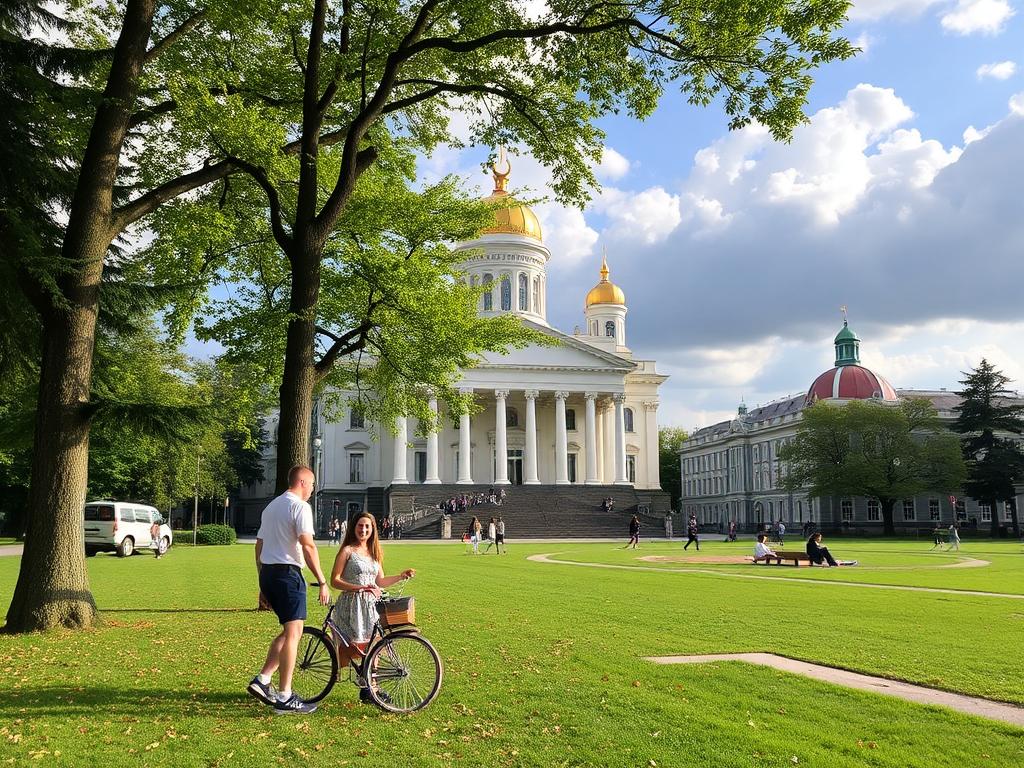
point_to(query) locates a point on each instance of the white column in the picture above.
(432, 457)
(653, 473)
(600, 445)
(500, 439)
(398, 475)
(530, 450)
(561, 441)
(620, 440)
(590, 438)
(465, 445)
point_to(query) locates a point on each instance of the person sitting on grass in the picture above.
(821, 556)
(359, 574)
(762, 552)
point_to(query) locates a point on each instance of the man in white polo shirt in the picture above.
(284, 541)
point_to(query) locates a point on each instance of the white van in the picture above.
(122, 527)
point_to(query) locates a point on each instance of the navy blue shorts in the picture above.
(285, 590)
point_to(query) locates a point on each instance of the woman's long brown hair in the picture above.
(374, 542)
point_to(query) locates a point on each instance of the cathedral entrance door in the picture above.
(515, 466)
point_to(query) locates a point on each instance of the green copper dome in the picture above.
(847, 346)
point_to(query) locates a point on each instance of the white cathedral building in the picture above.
(583, 412)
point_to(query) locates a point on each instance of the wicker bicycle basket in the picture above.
(394, 611)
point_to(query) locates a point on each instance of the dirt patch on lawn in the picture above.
(702, 559)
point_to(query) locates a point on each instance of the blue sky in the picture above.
(901, 199)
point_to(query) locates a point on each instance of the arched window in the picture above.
(524, 291)
(627, 416)
(506, 293)
(609, 329)
(511, 417)
(488, 293)
(536, 294)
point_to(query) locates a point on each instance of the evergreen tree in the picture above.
(988, 414)
(670, 441)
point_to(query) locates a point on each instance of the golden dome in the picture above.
(511, 218)
(605, 292)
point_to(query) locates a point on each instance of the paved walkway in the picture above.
(11, 550)
(549, 558)
(969, 705)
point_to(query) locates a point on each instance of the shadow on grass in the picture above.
(177, 610)
(142, 703)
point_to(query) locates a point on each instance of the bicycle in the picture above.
(401, 670)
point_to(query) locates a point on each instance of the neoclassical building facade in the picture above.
(731, 470)
(583, 411)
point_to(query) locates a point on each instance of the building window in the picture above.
(506, 293)
(421, 466)
(874, 511)
(536, 295)
(800, 511)
(846, 507)
(511, 417)
(488, 292)
(572, 467)
(933, 509)
(908, 510)
(986, 513)
(961, 509)
(355, 467)
(1007, 512)
(524, 292)
(356, 420)
(631, 469)
(609, 329)
(570, 419)
(627, 417)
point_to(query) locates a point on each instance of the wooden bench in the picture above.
(789, 556)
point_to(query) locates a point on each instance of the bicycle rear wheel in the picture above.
(405, 672)
(316, 666)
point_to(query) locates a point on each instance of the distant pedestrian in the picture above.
(939, 536)
(492, 535)
(781, 532)
(501, 496)
(499, 536)
(474, 535)
(691, 533)
(732, 530)
(156, 540)
(634, 532)
(954, 538)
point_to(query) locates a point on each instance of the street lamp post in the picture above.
(318, 448)
(195, 507)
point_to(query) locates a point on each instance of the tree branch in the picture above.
(182, 29)
(150, 201)
(346, 344)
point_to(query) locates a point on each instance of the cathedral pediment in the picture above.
(569, 353)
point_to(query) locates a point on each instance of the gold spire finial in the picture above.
(604, 264)
(501, 177)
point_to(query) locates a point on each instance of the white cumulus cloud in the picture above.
(1000, 70)
(984, 16)
(613, 166)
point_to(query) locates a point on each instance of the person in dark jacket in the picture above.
(820, 555)
(691, 533)
(634, 532)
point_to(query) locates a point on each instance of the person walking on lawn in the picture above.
(284, 541)
(634, 532)
(691, 533)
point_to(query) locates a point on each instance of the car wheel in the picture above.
(127, 547)
(165, 544)
(90, 552)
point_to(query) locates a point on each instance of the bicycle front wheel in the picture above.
(405, 673)
(316, 666)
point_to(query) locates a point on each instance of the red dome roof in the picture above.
(851, 382)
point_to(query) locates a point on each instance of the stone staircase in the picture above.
(548, 511)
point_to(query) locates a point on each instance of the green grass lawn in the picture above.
(543, 664)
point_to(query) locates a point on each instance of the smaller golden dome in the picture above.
(606, 292)
(510, 218)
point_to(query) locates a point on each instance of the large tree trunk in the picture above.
(1014, 523)
(300, 375)
(53, 585)
(888, 524)
(993, 506)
